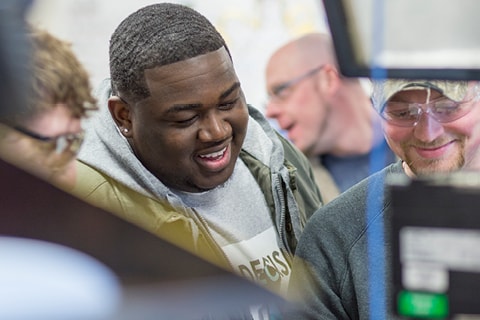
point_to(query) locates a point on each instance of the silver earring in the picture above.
(125, 130)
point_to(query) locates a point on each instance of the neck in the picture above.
(360, 126)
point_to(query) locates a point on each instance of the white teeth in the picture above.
(214, 154)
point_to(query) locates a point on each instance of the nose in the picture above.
(213, 128)
(272, 109)
(427, 128)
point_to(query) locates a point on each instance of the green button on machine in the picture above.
(422, 305)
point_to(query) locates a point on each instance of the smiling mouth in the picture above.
(214, 155)
(435, 147)
(215, 162)
(434, 152)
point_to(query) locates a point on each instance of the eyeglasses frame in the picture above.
(475, 98)
(64, 142)
(276, 90)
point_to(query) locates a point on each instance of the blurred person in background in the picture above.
(327, 116)
(45, 137)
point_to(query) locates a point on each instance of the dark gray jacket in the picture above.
(330, 270)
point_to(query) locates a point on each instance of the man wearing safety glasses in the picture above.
(433, 127)
(44, 140)
(425, 124)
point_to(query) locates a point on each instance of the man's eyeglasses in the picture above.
(70, 142)
(443, 110)
(278, 90)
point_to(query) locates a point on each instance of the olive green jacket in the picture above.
(187, 229)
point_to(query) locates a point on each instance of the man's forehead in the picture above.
(193, 81)
(199, 64)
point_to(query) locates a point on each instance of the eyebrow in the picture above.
(227, 92)
(192, 106)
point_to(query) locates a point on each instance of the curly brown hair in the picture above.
(57, 76)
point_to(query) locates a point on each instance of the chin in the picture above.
(214, 182)
(435, 167)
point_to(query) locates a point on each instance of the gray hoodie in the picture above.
(106, 150)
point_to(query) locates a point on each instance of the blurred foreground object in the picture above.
(14, 55)
(141, 276)
(406, 38)
(436, 246)
(66, 283)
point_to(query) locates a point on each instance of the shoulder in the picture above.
(105, 192)
(330, 266)
(346, 215)
(102, 190)
(88, 180)
(97, 188)
(261, 125)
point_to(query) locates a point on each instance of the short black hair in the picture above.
(153, 36)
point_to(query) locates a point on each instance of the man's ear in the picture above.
(328, 79)
(121, 114)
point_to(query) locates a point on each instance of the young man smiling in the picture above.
(180, 153)
(434, 127)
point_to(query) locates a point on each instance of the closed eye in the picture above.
(401, 110)
(228, 105)
(186, 122)
(400, 114)
(446, 108)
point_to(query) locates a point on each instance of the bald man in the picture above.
(327, 116)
